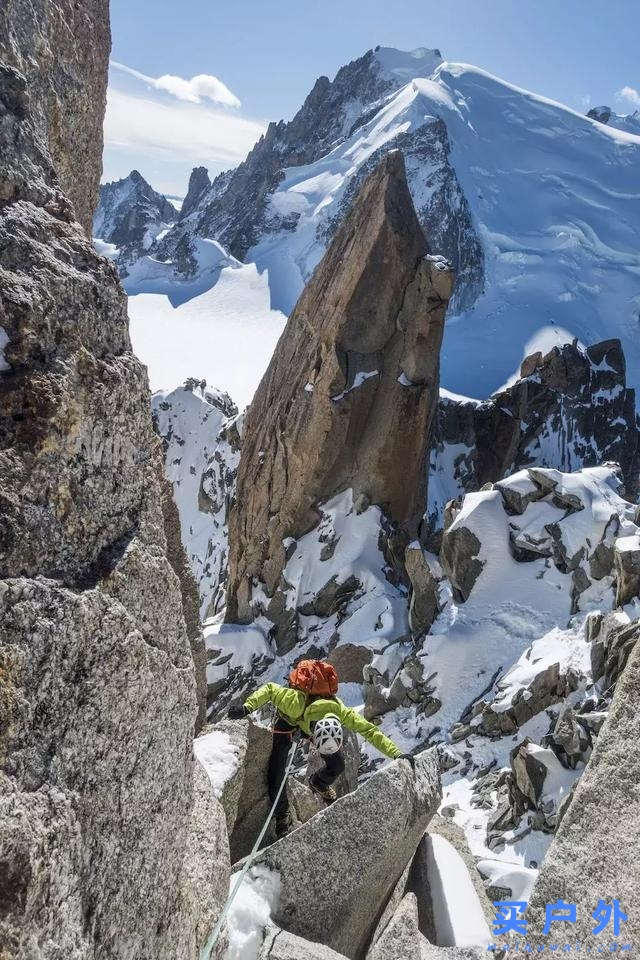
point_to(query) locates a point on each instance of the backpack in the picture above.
(315, 677)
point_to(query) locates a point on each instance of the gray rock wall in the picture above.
(99, 826)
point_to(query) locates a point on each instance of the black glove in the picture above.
(237, 711)
(410, 757)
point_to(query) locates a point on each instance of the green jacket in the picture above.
(297, 710)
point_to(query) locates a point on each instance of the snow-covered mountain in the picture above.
(129, 218)
(535, 205)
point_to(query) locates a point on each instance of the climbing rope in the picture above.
(205, 953)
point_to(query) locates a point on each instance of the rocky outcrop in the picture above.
(199, 183)
(105, 842)
(591, 857)
(60, 52)
(426, 576)
(204, 880)
(130, 215)
(460, 559)
(350, 390)
(378, 828)
(626, 554)
(612, 637)
(629, 122)
(580, 521)
(570, 408)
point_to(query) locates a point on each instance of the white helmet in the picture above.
(327, 734)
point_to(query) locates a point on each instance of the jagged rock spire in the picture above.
(349, 396)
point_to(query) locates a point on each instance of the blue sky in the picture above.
(266, 55)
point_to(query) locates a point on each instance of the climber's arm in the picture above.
(356, 722)
(265, 694)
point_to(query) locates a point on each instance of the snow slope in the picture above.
(224, 334)
(555, 200)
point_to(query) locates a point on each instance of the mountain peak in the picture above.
(401, 66)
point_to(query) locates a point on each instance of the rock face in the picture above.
(350, 390)
(63, 87)
(130, 215)
(570, 408)
(100, 834)
(354, 851)
(592, 856)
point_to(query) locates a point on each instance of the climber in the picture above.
(309, 704)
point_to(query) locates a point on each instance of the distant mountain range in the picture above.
(536, 206)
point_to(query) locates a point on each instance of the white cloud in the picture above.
(203, 86)
(168, 138)
(630, 94)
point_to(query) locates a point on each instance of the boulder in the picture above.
(529, 772)
(460, 560)
(408, 688)
(365, 335)
(626, 555)
(303, 802)
(540, 782)
(354, 851)
(425, 574)
(281, 945)
(429, 951)
(593, 854)
(392, 904)
(570, 738)
(519, 490)
(401, 938)
(549, 686)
